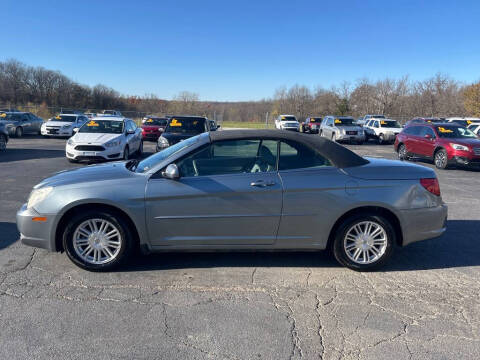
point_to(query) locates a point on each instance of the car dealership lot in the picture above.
(425, 304)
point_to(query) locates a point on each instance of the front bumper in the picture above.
(114, 153)
(291, 128)
(346, 137)
(39, 234)
(56, 132)
(424, 223)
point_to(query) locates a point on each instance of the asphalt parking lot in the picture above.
(424, 305)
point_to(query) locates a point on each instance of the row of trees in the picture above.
(401, 98)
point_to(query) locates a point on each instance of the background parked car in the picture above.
(62, 125)
(475, 128)
(362, 121)
(3, 137)
(105, 138)
(19, 123)
(110, 113)
(382, 130)
(342, 128)
(445, 143)
(463, 121)
(153, 127)
(311, 125)
(422, 120)
(287, 122)
(180, 128)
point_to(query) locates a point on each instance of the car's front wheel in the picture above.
(18, 132)
(402, 152)
(97, 240)
(441, 159)
(364, 242)
(126, 153)
(140, 149)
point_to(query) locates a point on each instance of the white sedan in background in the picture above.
(104, 138)
(62, 125)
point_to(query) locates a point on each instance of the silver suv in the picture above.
(342, 128)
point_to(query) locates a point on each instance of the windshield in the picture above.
(186, 126)
(288, 118)
(10, 117)
(377, 116)
(158, 157)
(64, 118)
(455, 132)
(156, 122)
(315, 120)
(102, 127)
(390, 124)
(345, 122)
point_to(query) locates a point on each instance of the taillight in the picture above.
(431, 185)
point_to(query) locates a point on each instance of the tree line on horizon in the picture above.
(439, 95)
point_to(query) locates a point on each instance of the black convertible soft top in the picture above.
(339, 155)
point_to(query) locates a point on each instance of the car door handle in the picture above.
(261, 183)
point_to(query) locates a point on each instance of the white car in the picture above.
(287, 122)
(115, 113)
(62, 125)
(104, 138)
(382, 130)
(475, 127)
(463, 121)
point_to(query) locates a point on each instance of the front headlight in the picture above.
(460, 147)
(163, 141)
(112, 143)
(70, 142)
(38, 195)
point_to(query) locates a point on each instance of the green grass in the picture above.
(246, 125)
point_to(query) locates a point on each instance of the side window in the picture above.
(376, 124)
(133, 125)
(294, 155)
(415, 130)
(424, 130)
(231, 157)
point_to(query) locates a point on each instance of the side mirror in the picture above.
(171, 172)
(75, 130)
(428, 137)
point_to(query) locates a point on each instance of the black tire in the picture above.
(126, 243)
(140, 149)
(3, 142)
(381, 139)
(402, 152)
(339, 250)
(440, 159)
(19, 132)
(334, 137)
(320, 132)
(73, 161)
(126, 153)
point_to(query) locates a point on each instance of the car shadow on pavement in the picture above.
(9, 234)
(11, 155)
(458, 247)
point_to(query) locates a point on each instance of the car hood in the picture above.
(176, 137)
(94, 138)
(383, 169)
(470, 142)
(58, 123)
(90, 174)
(350, 128)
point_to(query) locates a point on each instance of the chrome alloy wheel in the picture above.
(365, 242)
(440, 159)
(97, 241)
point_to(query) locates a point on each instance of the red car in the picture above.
(311, 125)
(444, 143)
(153, 128)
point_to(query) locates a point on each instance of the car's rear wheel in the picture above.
(19, 132)
(364, 242)
(3, 142)
(97, 240)
(441, 159)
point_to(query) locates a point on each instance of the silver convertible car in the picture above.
(236, 190)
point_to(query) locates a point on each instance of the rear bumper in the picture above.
(423, 224)
(150, 136)
(36, 234)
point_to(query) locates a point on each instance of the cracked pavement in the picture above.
(424, 305)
